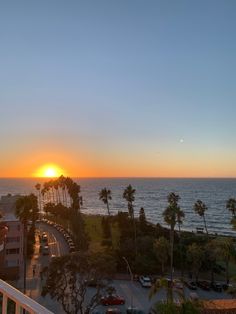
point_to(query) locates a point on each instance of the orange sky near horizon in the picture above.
(28, 165)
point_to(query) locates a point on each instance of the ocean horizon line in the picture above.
(122, 177)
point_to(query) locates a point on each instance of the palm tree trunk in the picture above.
(227, 271)
(181, 253)
(25, 254)
(135, 238)
(108, 209)
(205, 224)
(171, 254)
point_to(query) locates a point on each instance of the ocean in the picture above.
(151, 193)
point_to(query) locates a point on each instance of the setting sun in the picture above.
(49, 171)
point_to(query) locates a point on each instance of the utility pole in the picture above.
(131, 278)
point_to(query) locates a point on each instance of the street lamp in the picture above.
(131, 278)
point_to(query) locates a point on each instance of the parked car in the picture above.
(216, 286)
(193, 296)
(45, 250)
(145, 281)
(112, 300)
(113, 311)
(134, 310)
(191, 285)
(203, 284)
(178, 284)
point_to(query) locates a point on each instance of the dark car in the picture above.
(113, 311)
(112, 300)
(134, 310)
(216, 286)
(204, 285)
(191, 285)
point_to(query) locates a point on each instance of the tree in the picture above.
(162, 250)
(38, 188)
(200, 208)
(105, 196)
(211, 255)
(195, 257)
(69, 276)
(227, 252)
(231, 206)
(142, 220)
(128, 195)
(170, 215)
(169, 306)
(79, 231)
(26, 210)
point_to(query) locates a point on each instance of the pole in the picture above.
(131, 278)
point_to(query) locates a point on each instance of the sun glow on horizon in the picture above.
(49, 171)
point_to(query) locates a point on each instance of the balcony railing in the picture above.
(21, 301)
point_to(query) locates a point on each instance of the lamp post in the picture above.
(131, 278)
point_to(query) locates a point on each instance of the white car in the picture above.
(178, 284)
(145, 281)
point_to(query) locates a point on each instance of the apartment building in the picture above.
(11, 253)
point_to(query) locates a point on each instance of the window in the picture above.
(12, 251)
(12, 239)
(12, 263)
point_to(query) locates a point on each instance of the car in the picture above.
(44, 238)
(93, 282)
(45, 250)
(112, 299)
(191, 285)
(145, 281)
(134, 310)
(204, 285)
(178, 284)
(216, 286)
(193, 296)
(113, 311)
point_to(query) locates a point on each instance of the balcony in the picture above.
(15, 301)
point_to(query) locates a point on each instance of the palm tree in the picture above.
(26, 209)
(227, 252)
(195, 257)
(38, 188)
(180, 217)
(105, 196)
(200, 209)
(231, 206)
(162, 251)
(171, 214)
(128, 195)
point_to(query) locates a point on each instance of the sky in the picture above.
(124, 88)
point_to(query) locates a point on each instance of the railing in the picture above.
(22, 302)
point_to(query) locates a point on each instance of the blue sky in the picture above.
(136, 88)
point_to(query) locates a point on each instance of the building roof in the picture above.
(224, 304)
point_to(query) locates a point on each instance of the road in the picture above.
(57, 247)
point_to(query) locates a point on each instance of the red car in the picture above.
(112, 300)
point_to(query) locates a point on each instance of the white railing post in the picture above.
(4, 304)
(21, 301)
(18, 308)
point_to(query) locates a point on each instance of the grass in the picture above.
(93, 225)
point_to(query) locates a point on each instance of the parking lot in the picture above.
(135, 294)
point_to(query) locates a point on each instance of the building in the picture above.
(11, 256)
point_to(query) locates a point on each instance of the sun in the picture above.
(49, 171)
